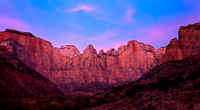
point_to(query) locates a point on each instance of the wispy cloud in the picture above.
(128, 15)
(85, 8)
(161, 33)
(8, 22)
(121, 18)
(104, 36)
(77, 26)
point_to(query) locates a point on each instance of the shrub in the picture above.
(93, 102)
(129, 92)
(55, 106)
(55, 98)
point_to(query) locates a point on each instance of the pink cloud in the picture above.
(86, 8)
(128, 15)
(8, 22)
(158, 34)
(164, 31)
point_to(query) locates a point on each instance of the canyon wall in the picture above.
(91, 71)
(18, 80)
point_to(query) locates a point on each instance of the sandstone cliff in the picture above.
(17, 80)
(187, 45)
(73, 71)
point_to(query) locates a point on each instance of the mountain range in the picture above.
(92, 71)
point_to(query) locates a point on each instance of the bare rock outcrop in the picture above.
(173, 52)
(69, 51)
(189, 39)
(187, 45)
(90, 71)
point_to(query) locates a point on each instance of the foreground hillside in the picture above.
(18, 80)
(173, 85)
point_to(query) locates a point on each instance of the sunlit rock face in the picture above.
(189, 39)
(187, 45)
(69, 51)
(173, 52)
(91, 71)
(71, 70)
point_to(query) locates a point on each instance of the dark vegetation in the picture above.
(52, 102)
(171, 85)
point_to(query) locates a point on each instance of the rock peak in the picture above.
(90, 49)
(112, 51)
(101, 52)
(195, 26)
(173, 42)
(132, 42)
(189, 39)
(69, 51)
(18, 32)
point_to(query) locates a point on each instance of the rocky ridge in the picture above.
(73, 71)
(171, 85)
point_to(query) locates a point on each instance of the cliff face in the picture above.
(68, 51)
(189, 39)
(73, 71)
(187, 45)
(17, 80)
(174, 82)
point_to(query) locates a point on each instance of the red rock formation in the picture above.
(173, 52)
(69, 51)
(19, 32)
(112, 51)
(73, 71)
(187, 45)
(17, 80)
(161, 51)
(122, 49)
(101, 52)
(189, 39)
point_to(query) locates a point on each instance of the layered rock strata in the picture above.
(73, 71)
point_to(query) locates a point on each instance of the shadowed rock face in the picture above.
(18, 80)
(73, 71)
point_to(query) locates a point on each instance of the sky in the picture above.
(103, 23)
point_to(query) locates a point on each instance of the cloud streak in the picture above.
(104, 36)
(77, 26)
(128, 15)
(85, 8)
(162, 32)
